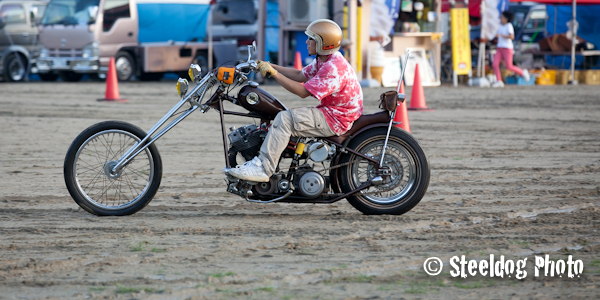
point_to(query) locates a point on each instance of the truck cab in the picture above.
(71, 33)
(19, 37)
(147, 38)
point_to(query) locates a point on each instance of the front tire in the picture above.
(402, 189)
(87, 170)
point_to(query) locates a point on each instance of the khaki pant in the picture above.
(301, 122)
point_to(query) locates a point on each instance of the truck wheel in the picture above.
(15, 67)
(125, 66)
(48, 76)
(70, 76)
(202, 61)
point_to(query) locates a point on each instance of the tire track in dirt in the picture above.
(513, 173)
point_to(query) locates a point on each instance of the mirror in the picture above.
(2, 23)
(92, 12)
(33, 15)
(251, 49)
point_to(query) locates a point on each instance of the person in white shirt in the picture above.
(504, 50)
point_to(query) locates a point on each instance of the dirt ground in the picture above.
(514, 172)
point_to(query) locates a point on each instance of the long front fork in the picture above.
(199, 91)
(149, 139)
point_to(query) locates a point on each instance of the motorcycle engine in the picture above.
(309, 183)
(246, 140)
(318, 151)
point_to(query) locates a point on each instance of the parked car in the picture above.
(529, 23)
(19, 37)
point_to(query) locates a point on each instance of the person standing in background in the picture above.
(382, 24)
(504, 50)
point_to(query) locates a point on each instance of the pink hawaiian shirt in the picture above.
(334, 83)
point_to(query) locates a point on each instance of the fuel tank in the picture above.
(259, 101)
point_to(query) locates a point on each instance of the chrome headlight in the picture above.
(194, 72)
(91, 50)
(43, 52)
(182, 86)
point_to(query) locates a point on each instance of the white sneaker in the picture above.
(251, 171)
(498, 84)
(526, 75)
(226, 170)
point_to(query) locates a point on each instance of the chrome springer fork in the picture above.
(387, 136)
(194, 98)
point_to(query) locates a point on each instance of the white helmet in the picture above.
(327, 34)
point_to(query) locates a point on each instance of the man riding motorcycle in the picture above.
(330, 79)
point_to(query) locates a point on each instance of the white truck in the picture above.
(147, 38)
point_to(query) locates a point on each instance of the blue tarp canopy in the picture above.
(179, 20)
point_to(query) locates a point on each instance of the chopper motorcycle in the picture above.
(114, 168)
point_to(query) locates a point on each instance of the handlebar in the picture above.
(250, 65)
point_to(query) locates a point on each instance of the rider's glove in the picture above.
(265, 68)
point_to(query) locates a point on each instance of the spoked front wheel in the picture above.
(402, 188)
(89, 174)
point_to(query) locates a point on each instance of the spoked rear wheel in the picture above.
(402, 189)
(88, 170)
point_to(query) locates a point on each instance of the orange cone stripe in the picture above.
(298, 61)
(112, 84)
(417, 97)
(401, 112)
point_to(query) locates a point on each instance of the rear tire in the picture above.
(87, 170)
(401, 190)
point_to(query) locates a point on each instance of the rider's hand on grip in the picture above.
(265, 68)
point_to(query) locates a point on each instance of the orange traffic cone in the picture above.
(417, 97)
(401, 90)
(112, 84)
(298, 61)
(401, 116)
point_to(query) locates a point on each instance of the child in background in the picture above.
(504, 50)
